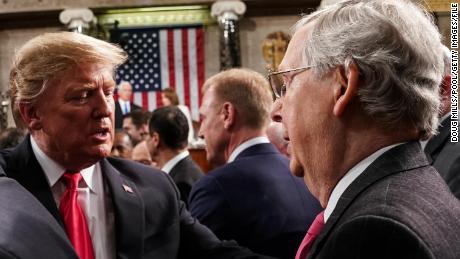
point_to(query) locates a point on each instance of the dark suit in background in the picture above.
(398, 208)
(27, 230)
(184, 174)
(150, 220)
(256, 201)
(119, 114)
(445, 156)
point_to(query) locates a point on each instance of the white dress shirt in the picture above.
(125, 105)
(93, 197)
(350, 177)
(245, 145)
(173, 161)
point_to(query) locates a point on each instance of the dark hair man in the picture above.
(168, 148)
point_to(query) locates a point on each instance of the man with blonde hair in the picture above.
(357, 89)
(62, 90)
(251, 196)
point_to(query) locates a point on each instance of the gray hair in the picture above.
(42, 57)
(396, 47)
(447, 57)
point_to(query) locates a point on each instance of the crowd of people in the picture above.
(343, 152)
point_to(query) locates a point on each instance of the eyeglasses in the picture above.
(277, 82)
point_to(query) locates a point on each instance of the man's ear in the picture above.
(30, 116)
(347, 88)
(155, 139)
(228, 114)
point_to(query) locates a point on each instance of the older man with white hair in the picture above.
(357, 89)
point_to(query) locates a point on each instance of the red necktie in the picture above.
(74, 219)
(310, 237)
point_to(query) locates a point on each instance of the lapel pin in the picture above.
(127, 188)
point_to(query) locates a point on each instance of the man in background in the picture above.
(275, 135)
(444, 154)
(357, 89)
(122, 145)
(251, 196)
(124, 105)
(168, 148)
(141, 154)
(135, 124)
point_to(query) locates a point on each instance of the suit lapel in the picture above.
(434, 145)
(400, 158)
(24, 168)
(180, 167)
(129, 212)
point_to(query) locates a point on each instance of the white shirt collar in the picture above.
(54, 171)
(122, 102)
(173, 161)
(350, 177)
(245, 145)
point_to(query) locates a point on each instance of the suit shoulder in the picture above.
(369, 233)
(417, 200)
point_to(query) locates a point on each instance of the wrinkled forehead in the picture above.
(294, 56)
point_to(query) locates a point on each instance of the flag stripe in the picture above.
(194, 99)
(171, 68)
(137, 98)
(152, 100)
(179, 72)
(185, 65)
(164, 64)
(200, 64)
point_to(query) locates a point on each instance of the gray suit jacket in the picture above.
(445, 157)
(27, 230)
(398, 208)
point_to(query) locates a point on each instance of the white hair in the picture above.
(396, 47)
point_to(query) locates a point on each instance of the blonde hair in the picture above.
(247, 90)
(44, 56)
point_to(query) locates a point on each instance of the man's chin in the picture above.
(296, 169)
(101, 151)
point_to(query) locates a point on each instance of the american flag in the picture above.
(161, 58)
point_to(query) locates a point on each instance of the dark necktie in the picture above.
(74, 219)
(310, 237)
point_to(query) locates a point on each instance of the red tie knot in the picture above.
(71, 179)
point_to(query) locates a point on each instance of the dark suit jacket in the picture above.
(398, 208)
(27, 230)
(150, 221)
(445, 157)
(256, 201)
(185, 173)
(119, 113)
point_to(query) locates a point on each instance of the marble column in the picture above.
(227, 13)
(77, 19)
